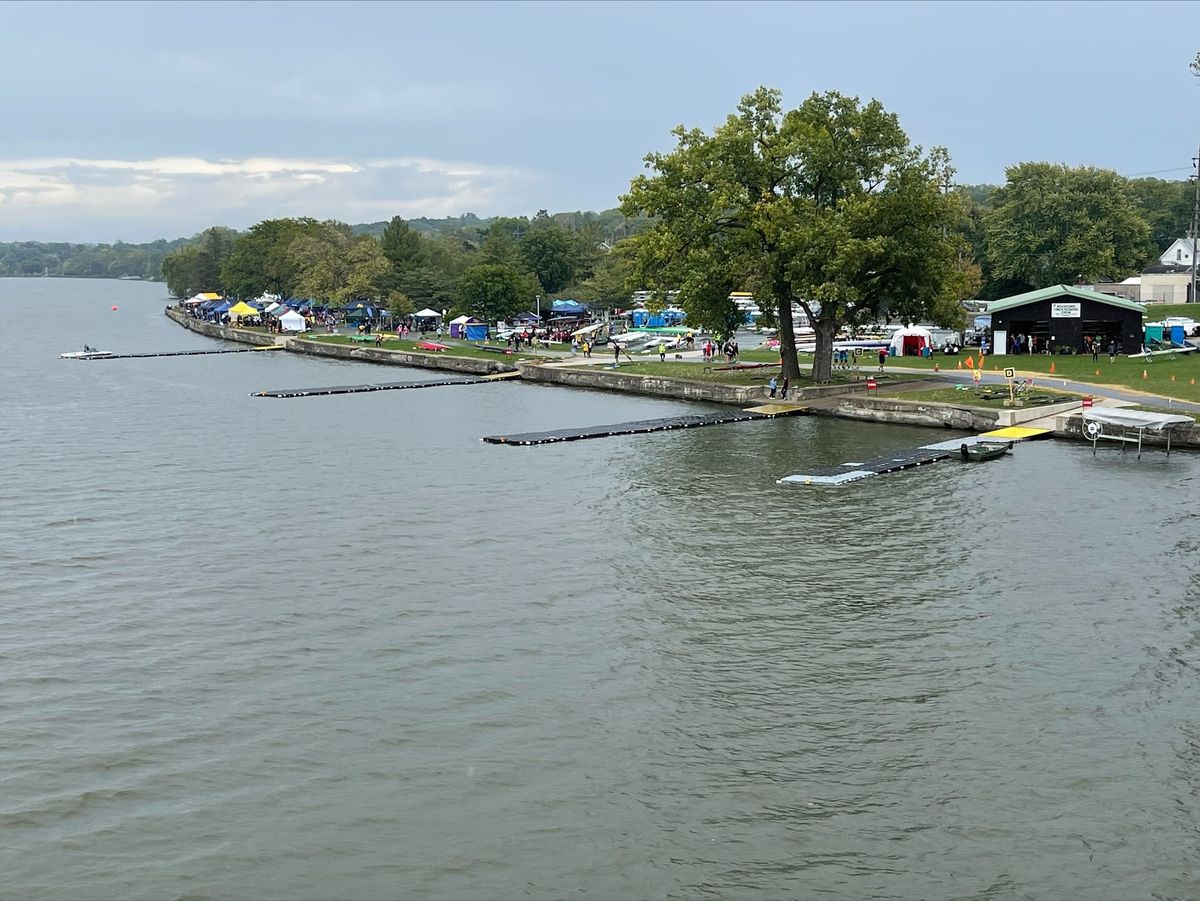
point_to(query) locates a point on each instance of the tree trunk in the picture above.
(789, 365)
(822, 371)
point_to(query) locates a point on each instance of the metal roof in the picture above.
(1020, 300)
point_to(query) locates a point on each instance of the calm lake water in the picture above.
(338, 647)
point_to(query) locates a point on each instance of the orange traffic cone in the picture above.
(1144, 375)
(1097, 372)
(1051, 365)
(935, 367)
(1172, 376)
(1192, 382)
(960, 364)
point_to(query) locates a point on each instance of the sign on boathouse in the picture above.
(1065, 310)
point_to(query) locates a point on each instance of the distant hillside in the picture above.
(430, 227)
(86, 260)
(26, 258)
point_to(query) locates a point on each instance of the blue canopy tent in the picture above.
(568, 308)
(476, 331)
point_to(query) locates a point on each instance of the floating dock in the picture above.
(906, 459)
(645, 426)
(374, 386)
(182, 353)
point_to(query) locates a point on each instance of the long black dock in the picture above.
(363, 389)
(641, 427)
(183, 353)
(850, 472)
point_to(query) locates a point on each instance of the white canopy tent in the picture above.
(461, 320)
(917, 336)
(428, 314)
(291, 321)
(273, 307)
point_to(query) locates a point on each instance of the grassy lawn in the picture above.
(971, 397)
(1178, 378)
(1157, 312)
(703, 372)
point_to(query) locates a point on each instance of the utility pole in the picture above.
(1195, 216)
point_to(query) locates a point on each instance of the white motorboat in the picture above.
(88, 353)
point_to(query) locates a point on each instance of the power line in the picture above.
(1160, 171)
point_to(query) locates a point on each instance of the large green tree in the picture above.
(549, 253)
(492, 291)
(826, 206)
(1053, 224)
(260, 260)
(608, 286)
(403, 246)
(197, 266)
(1166, 206)
(334, 267)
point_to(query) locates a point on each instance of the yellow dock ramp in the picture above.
(777, 409)
(497, 376)
(1017, 433)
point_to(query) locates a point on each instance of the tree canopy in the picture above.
(826, 206)
(1054, 224)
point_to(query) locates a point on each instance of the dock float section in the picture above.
(906, 459)
(182, 353)
(364, 389)
(645, 426)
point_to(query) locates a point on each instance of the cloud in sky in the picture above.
(177, 195)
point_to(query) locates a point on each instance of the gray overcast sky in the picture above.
(144, 120)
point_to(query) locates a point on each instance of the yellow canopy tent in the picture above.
(241, 308)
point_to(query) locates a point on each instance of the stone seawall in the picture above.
(224, 332)
(398, 357)
(657, 386)
(907, 412)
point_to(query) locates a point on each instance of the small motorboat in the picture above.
(88, 353)
(984, 450)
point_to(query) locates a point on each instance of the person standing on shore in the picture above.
(1112, 351)
(783, 389)
(616, 354)
(883, 355)
(773, 386)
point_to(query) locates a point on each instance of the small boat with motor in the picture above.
(88, 353)
(983, 451)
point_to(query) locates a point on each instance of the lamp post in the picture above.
(539, 308)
